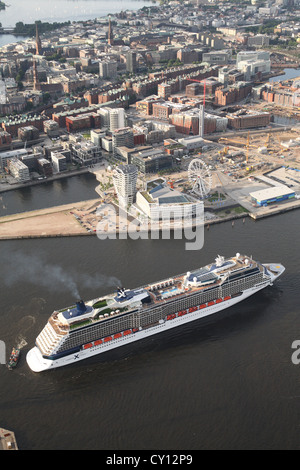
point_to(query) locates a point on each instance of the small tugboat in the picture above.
(14, 357)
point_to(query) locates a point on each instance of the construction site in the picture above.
(257, 161)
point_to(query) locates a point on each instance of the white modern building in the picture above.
(159, 202)
(112, 118)
(252, 55)
(96, 136)
(19, 170)
(59, 162)
(116, 118)
(86, 153)
(252, 62)
(6, 156)
(125, 179)
(192, 142)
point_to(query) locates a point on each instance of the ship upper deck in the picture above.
(209, 276)
(126, 301)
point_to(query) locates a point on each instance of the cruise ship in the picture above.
(127, 315)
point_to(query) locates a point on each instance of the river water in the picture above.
(286, 75)
(225, 382)
(29, 11)
(49, 194)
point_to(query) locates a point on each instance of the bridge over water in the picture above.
(7, 30)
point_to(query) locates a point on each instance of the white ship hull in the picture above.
(38, 363)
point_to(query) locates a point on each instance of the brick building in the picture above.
(145, 106)
(12, 124)
(83, 121)
(232, 94)
(248, 120)
(162, 110)
(5, 138)
(164, 90)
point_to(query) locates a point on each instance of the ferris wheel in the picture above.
(200, 178)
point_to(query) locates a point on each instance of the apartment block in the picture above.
(18, 170)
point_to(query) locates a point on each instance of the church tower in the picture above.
(110, 34)
(36, 82)
(38, 42)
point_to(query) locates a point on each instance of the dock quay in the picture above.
(275, 210)
(7, 440)
(80, 219)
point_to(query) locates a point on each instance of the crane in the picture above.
(247, 145)
(274, 146)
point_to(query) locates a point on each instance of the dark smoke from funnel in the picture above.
(33, 268)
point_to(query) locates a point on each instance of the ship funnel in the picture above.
(81, 306)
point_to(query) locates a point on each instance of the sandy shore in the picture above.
(54, 221)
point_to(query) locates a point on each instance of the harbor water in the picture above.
(287, 74)
(224, 382)
(60, 11)
(49, 194)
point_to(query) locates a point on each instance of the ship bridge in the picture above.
(203, 275)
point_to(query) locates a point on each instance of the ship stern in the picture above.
(36, 362)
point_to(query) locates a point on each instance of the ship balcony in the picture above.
(44, 348)
(44, 345)
(45, 342)
(58, 327)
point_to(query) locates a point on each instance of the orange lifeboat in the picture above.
(193, 309)
(171, 317)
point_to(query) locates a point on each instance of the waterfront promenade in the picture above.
(81, 219)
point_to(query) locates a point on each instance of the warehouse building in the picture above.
(244, 119)
(272, 195)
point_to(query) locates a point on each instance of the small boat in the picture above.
(14, 357)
